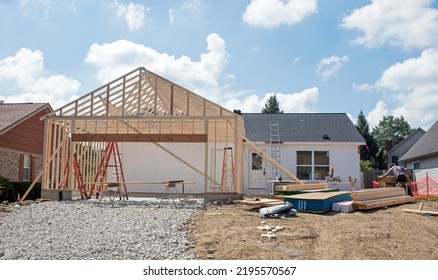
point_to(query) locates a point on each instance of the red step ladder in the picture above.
(111, 151)
(78, 175)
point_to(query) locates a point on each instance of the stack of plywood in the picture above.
(381, 197)
(296, 187)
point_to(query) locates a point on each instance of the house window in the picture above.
(417, 165)
(394, 159)
(257, 162)
(26, 167)
(313, 165)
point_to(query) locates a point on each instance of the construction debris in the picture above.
(378, 198)
(278, 211)
(421, 211)
(261, 201)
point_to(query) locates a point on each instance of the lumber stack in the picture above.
(377, 198)
(296, 187)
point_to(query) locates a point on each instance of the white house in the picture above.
(307, 144)
(142, 129)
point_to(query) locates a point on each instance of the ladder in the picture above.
(78, 174)
(111, 151)
(274, 138)
(227, 169)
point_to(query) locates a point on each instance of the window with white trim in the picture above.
(26, 167)
(313, 165)
(417, 165)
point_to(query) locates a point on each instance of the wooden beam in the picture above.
(186, 163)
(31, 186)
(186, 138)
(270, 160)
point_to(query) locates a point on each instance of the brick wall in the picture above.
(9, 165)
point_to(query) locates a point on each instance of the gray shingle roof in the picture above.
(426, 146)
(303, 127)
(12, 113)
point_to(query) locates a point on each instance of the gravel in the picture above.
(85, 230)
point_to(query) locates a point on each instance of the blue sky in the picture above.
(378, 56)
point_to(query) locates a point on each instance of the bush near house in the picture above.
(11, 189)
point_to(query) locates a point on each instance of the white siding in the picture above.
(344, 157)
(144, 162)
(428, 165)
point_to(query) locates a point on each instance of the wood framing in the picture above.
(140, 106)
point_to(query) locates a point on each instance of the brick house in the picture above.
(21, 140)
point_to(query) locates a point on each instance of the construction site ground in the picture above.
(229, 232)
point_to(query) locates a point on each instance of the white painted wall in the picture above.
(146, 162)
(344, 157)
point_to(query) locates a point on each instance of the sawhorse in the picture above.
(170, 188)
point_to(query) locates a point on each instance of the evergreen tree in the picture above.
(371, 149)
(272, 106)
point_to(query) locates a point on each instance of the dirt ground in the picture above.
(229, 232)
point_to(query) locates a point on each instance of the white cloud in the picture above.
(272, 13)
(363, 87)
(26, 71)
(329, 66)
(375, 115)
(117, 58)
(412, 88)
(299, 102)
(407, 23)
(134, 14)
(186, 10)
(35, 9)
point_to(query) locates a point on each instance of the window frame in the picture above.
(314, 167)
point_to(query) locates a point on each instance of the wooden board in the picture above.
(262, 202)
(369, 194)
(423, 212)
(382, 202)
(295, 187)
(283, 193)
(317, 202)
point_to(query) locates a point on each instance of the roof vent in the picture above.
(325, 137)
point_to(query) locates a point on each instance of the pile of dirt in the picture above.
(232, 232)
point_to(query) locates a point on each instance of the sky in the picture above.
(327, 56)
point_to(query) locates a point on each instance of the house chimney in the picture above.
(389, 145)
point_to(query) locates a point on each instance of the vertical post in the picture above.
(206, 157)
(45, 153)
(72, 151)
(427, 184)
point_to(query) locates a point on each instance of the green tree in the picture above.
(370, 150)
(372, 155)
(391, 128)
(272, 106)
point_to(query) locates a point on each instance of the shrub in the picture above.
(12, 189)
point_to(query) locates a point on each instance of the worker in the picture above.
(400, 176)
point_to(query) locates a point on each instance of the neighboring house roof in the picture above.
(303, 127)
(409, 140)
(426, 146)
(12, 114)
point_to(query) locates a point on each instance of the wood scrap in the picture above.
(295, 187)
(261, 201)
(378, 198)
(421, 211)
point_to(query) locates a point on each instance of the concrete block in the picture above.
(57, 195)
